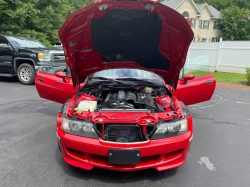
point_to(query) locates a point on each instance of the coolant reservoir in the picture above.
(87, 106)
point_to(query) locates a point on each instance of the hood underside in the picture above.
(143, 35)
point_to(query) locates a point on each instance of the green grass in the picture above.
(224, 77)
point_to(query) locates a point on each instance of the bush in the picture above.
(235, 23)
(248, 74)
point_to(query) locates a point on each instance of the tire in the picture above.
(59, 148)
(26, 74)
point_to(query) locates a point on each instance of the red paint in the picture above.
(54, 88)
(84, 97)
(176, 36)
(164, 101)
(129, 117)
(83, 60)
(187, 77)
(196, 90)
(169, 153)
(62, 75)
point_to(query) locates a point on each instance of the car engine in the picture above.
(149, 100)
(130, 100)
(127, 98)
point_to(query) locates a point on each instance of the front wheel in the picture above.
(26, 73)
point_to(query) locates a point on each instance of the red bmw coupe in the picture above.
(124, 106)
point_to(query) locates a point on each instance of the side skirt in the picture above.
(6, 75)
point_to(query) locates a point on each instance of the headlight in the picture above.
(167, 130)
(80, 128)
(44, 57)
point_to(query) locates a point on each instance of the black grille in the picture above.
(123, 133)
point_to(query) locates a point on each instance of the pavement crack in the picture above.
(205, 118)
(224, 122)
(212, 104)
(240, 102)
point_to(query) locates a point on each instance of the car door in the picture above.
(6, 65)
(197, 90)
(54, 88)
(194, 91)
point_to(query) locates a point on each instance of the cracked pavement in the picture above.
(29, 156)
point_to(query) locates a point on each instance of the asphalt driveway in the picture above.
(29, 155)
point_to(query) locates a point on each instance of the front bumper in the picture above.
(161, 154)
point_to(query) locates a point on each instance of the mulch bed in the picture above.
(233, 86)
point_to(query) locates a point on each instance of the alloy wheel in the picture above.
(25, 74)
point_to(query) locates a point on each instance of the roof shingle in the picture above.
(200, 6)
(174, 4)
(215, 12)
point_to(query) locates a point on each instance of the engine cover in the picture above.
(120, 100)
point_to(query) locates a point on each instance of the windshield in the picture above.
(20, 41)
(126, 75)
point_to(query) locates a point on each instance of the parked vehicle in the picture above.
(25, 56)
(124, 105)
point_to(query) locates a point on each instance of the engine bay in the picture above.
(124, 114)
(127, 98)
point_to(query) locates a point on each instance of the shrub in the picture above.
(235, 23)
(248, 74)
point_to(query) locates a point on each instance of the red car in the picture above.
(124, 105)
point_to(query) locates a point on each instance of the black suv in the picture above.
(25, 56)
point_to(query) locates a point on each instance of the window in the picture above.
(193, 22)
(215, 39)
(4, 52)
(21, 41)
(185, 14)
(204, 39)
(125, 73)
(200, 24)
(3, 40)
(194, 39)
(215, 25)
(206, 24)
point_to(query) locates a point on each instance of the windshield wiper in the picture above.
(136, 80)
(107, 79)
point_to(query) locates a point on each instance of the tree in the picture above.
(222, 4)
(40, 19)
(2, 6)
(76, 4)
(235, 23)
(243, 3)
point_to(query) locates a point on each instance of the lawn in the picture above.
(225, 77)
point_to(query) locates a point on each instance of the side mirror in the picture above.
(61, 75)
(188, 77)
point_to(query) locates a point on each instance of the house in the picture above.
(204, 18)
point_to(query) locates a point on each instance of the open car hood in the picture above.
(111, 34)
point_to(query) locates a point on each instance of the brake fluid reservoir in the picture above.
(87, 106)
(148, 90)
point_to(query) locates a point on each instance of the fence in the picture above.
(223, 56)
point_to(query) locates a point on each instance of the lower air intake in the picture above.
(123, 133)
